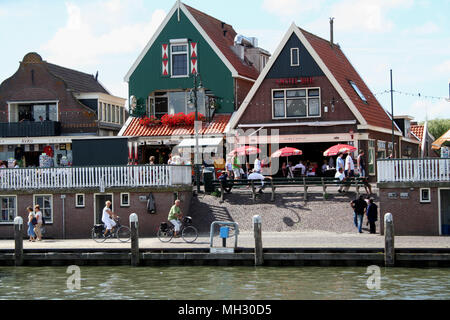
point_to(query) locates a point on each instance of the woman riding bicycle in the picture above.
(108, 218)
(175, 216)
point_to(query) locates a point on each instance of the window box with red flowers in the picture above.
(172, 120)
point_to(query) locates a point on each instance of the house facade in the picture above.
(190, 44)
(44, 106)
(314, 98)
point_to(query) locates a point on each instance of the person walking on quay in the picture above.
(372, 215)
(361, 164)
(349, 166)
(340, 163)
(38, 226)
(31, 223)
(257, 165)
(359, 209)
(108, 218)
(175, 216)
(236, 165)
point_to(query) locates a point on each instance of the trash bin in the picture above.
(208, 177)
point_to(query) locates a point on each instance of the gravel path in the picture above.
(289, 212)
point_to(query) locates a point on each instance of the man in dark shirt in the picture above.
(372, 215)
(359, 208)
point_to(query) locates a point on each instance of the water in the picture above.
(222, 283)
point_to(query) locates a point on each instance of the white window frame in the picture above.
(422, 200)
(77, 205)
(297, 55)
(358, 91)
(121, 202)
(371, 147)
(183, 43)
(15, 206)
(307, 103)
(47, 221)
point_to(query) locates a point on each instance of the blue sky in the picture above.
(411, 37)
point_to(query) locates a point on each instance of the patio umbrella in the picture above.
(286, 152)
(334, 150)
(245, 151)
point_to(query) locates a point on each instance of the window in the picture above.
(125, 199)
(179, 60)
(295, 57)
(355, 87)
(296, 103)
(8, 209)
(117, 114)
(45, 202)
(371, 157)
(173, 102)
(177, 102)
(113, 113)
(108, 115)
(425, 195)
(381, 152)
(120, 115)
(79, 200)
(99, 111)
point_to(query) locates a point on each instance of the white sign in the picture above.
(221, 250)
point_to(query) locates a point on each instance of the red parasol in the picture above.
(286, 152)
(245, 150)
(339, 148)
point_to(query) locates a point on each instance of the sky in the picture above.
(409, 37)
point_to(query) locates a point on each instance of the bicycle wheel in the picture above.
(165, 236)
(97, 236)
(189, 234)
(123, 234)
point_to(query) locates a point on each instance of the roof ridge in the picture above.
(209, 16)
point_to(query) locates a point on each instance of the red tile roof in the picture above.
(418, 131)
(343, 71)
(217, 126)
(213, 27)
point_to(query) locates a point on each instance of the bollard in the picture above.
(257, 226)
(389, 248)
(18, 237)
(134, 226)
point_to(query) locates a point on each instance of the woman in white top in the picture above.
(30, 224)
(108, 217)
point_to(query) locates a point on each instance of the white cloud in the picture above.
(88, 36)
(427, 28)
(290, 8)
(444, 67)
(431, 108)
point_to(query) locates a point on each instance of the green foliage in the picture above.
(215, 193)
(438, 127)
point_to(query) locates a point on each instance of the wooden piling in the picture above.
(134, 226)
(18, 237)
(257, 228)
(389, 248)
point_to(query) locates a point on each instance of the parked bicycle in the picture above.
(123, 233)
(188, 232)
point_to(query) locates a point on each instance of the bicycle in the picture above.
(122, 233)
(188, 232)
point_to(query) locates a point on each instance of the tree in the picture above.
(438, 127)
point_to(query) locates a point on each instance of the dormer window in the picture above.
(179, 57)
(295, 57)
(355, 87)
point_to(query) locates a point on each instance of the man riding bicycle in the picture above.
(108, 218)
(175, 216)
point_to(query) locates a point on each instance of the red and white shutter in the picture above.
(165, 59)
(194, 57)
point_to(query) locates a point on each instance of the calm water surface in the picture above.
(196, 283)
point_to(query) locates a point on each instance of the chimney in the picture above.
(331, 32)
(96, 76)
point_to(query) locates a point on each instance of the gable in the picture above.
(282, 66)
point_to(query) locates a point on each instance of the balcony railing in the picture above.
(95, 177)
(30, 129)
(414, 170)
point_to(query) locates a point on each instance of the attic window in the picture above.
(295, 58)
(355, 87)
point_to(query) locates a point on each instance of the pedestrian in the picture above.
(108, 218)
(341, 176)
(361, 164)
(359, 209)
(31, 223)
(236, 165)
(229, 167)
(340, 163)
(372, 215)
(349, 166)
(175, 216)
(37, 227)
(257, 165)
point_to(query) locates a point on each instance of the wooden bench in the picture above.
(305, 182)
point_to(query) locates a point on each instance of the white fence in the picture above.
(413, 170)
(95, 177)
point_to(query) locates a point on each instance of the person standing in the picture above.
(340, 163)
(361, 164)
(175, 216)
(151, 160)
(170, 162)
(236, 165)
(372, 215)
(359, 209)
(37, 227)
(31, 232)
(257, 165)
(349, 166)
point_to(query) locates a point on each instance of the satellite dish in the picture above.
(133, 102)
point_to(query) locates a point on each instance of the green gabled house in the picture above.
(188, 43)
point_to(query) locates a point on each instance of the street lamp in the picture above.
(194, 101)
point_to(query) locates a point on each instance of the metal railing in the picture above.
(92, 177)
(413, 170)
